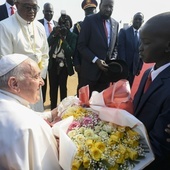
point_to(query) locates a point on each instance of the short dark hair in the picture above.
(67, 18)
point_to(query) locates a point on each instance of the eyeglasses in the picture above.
(28, 7)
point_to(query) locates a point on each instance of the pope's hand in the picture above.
(55, 116)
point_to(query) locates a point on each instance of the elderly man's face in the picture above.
(29, 87)
(27, 9)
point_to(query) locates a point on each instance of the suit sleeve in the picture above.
(121, 45)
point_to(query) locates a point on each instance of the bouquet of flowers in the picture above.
(100, 138)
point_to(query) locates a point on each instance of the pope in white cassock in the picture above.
(21, 33)
(26, 140)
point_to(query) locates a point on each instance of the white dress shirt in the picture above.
(8, 7)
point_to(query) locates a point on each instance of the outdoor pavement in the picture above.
(71, 89)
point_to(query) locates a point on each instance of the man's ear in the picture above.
(13, 84)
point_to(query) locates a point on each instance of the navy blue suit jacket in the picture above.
(92, 42)
(3, 12)
(153, 109)
(127, 50)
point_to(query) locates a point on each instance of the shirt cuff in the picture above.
(95, 59)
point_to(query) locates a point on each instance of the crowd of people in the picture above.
(31, 50)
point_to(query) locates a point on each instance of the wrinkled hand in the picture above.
(168, 131)
(77, 68)
(102, 65)
(55, 116)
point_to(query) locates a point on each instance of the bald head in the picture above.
(159, 25)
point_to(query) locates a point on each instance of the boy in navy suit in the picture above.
(152, 107)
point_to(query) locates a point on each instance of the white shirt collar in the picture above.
(154, 73)
(8, 6)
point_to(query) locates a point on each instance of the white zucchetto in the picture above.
(9, 62)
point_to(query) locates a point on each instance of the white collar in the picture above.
(154, 73)
(9, 6)
(46, 22)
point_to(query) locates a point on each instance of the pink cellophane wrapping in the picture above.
(118, 95)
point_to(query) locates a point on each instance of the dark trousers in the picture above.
(98, 86)
(57, 80)
(44, 89)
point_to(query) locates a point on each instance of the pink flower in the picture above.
(73, 125)
(87, 121)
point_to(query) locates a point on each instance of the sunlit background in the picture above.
(123, 9)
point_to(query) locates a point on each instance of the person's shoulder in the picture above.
(41, 20)
(2, 6)
(8, 21)
(55, 23)
(38, 24)
(73, 34)
(78, 22)
(114, 21)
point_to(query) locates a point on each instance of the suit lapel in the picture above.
(101, 28)
(141, 98)
(113, 36)
(5, 11)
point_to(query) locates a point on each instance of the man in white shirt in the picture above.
(21, 33)
(27, 141)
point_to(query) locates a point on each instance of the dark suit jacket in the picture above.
(92, 42)
(3, 12)
(127, 50)
(153, 109)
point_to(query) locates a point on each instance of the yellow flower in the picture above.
(122, 149)
(115, 167)
(40, 65)
(132, 153)
(100, 145)
(132, 134)
(119, 158)
(76, 164)
(80, 151)
(89, 143)
(86, 161)
(95, 153)
(114, 138)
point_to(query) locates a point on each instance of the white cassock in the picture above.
(19, 36)
(26, 140)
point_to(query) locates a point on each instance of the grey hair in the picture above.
(17, 72)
